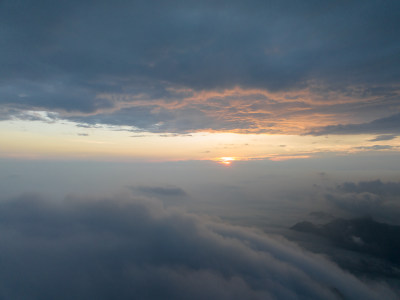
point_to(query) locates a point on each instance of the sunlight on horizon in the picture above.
(226, 161)
(66, 140)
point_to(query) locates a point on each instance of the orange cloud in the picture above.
(240, 110)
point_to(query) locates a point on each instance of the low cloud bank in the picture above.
(374, 198)
(126, 248)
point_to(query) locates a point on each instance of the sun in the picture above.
(227, 161)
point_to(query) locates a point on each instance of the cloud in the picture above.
(169, 191)
(30, 115)
(376, 187)
(386, 125)
(374, 198)
(128, 248)
(235, 110)
(376, 147)
(81, 59)
(384, 137)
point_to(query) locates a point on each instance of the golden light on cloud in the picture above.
(245, 111)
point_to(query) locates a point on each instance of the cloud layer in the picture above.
(124, 63)
(125, 248)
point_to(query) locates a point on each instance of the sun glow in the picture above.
(227, 161)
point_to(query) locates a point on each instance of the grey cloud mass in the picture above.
(169, 191)
(376, 147)
(122, 248)
(374, 186)
(389, 124)
(372, 198)
(66, 55)
(384, 137)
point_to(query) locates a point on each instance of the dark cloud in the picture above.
(375, 242)
(384, 137)
(389, 124)
(67, 56)
(156, 118)
(375, 186)
(374, 198)
(124, 248)
(43, 116)
(170, 191)
(376, 147)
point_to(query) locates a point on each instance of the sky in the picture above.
(214, 125)
(117, 79)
